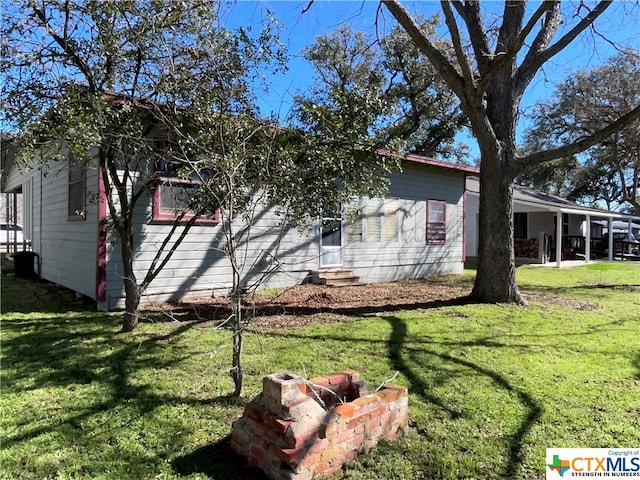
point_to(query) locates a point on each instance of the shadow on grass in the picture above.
(28, 296)
(94, 390)
(217, 461)
(418, 386)
(271, 309)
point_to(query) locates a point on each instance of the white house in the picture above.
(538, 234)
(417, 230)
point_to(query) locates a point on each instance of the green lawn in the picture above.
(491, 386)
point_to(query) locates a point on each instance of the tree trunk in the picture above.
(236, 362)
(495, 279)
(496, 274)
(131, 290)
(132, 306)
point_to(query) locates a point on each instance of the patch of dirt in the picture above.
(304, 305)
(562, 302)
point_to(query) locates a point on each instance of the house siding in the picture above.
(410, 256)
(66, 250)
(199, 267)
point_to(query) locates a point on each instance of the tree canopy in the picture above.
(497, 55)
(583, 103)
(382, 89)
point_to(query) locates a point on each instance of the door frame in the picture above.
(330, 255)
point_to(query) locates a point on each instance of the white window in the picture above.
(381, 220)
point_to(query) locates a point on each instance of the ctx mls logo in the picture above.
(561, 466)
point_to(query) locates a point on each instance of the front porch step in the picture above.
(334, 277)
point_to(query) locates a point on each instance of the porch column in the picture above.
(587, 236)
(610, 238)
(558, 239)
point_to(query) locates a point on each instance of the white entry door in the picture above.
(331, 242)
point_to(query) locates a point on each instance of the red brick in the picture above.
(350, 455)
(338, 379)
(355, 443)
(318, 445)
(371, 443)
(309, 460)
(294, 441)
(353, 374)
(371, 424)
(253, 411)
(331, 470)
(388, 396)
(398, 404)
(322, 381)
(330, 453)
(274, 423)
(287, 455)
(331, 429)
(366, 404)
(321, 468)
(345, 410)
(392, 435)
(344, 436)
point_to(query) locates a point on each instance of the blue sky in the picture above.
(620, 25)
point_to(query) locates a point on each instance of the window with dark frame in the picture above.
(520, 225)
(173, 197)
(436, 222)
(77, 200)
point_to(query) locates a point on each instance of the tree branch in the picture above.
(437, 59)
(66, 45)
(539, 53)
(463, 60)
(579, 145)
(497, 62)
(470, 13)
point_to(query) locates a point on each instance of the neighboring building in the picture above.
(417, 230)
(538, 234)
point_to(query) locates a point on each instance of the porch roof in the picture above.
(529, 199)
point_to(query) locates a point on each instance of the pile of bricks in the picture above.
(299, 429)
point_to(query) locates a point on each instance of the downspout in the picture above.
(40, 227)
(464, 221)
(610, 238)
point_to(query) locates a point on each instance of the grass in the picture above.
(491, 386)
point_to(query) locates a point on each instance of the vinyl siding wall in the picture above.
(410, 256)
(199, 267)
(66, 250)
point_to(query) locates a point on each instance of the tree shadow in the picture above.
(21, 295)
(218, 461)
(396, 347)
(273, 308)
(93, 386)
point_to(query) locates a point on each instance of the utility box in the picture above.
(24, 263)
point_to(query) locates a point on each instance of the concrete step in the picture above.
(334, 277)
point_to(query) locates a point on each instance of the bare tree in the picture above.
(492, 69)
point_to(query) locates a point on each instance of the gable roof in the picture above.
(528, 197)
